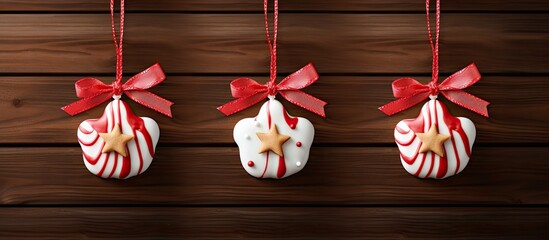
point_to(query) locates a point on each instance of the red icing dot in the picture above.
(292, 126)
(298, 144)
(251, 164)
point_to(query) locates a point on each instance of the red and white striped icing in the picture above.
(140, 149)
(457, 150)
(269, 164)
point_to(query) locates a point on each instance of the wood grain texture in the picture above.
(333, 176)
(251, 5)
(235, 43)
(274, 223)
(353, 186)
(353, 117)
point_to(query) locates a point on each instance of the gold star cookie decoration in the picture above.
(115, 141)
(272, 141)
(432, 141)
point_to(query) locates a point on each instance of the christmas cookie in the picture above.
(274, 144)
(119, 144)
(435, 144)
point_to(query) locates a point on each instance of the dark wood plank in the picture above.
(234, 43)
(249, 5)
(348, 191)
(517, 116)
(333, 176)
(274, 223)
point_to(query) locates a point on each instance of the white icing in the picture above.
(431, 159)
(295, 157)
(133, 153)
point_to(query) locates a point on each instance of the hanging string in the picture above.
(249, 92)
(93, 92)
(434, 44)
(272, 43)
(118, 44)
(410, 92)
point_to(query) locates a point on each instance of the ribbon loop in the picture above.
(88, 87)
(300, 79)
(410, 92)
(248, 92)
(243, 87)
(146, 79)
(94, 92)
(462, 79)
(407, 86)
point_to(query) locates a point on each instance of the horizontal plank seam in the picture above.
(525, 206)
(266, 74)
(532, 11)
(233, 145)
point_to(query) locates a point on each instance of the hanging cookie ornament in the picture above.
(119, 144)
(274, 144)
(436, 144)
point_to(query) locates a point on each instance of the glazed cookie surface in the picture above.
(273, 144)
(119, 144)
(435, 144)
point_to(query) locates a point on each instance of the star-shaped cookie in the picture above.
(432, 141)
(115, 141)
(272, 141)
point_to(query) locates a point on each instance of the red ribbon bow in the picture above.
(94, 92)
(410, 92)
(249, 92)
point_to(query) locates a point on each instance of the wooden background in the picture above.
(353, 187)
